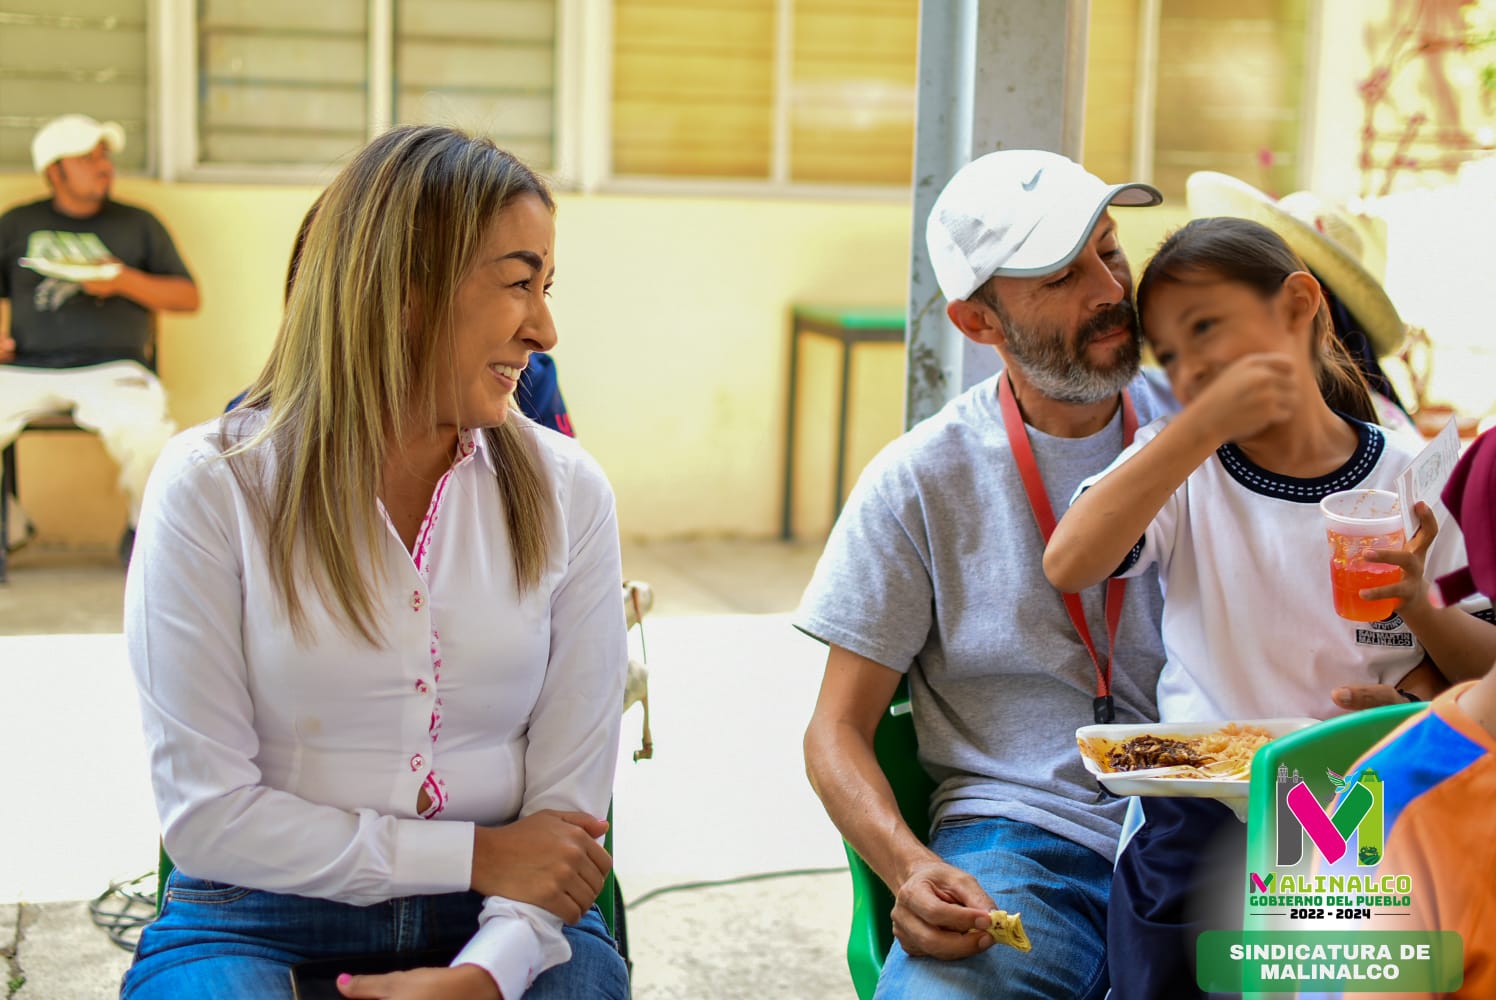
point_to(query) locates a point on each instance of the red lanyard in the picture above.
(1033, 485)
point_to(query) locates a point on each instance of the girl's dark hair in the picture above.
(1248, 252)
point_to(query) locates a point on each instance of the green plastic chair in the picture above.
(1335, 744)
(610, 901)
(872, 903)
(164, 867)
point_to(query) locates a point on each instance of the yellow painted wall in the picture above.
(673, 355)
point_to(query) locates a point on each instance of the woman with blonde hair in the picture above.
(373, 617)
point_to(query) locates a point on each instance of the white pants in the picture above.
(121, 401)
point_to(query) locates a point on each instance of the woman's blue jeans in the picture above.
(216, 940)
(1060, 888)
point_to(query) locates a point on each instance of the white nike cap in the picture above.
(1020, 213)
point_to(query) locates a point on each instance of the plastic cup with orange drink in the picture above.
(1357, 522)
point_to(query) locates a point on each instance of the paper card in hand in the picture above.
(1426, 475)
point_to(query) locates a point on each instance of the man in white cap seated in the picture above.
(934, 571)
(80, 279)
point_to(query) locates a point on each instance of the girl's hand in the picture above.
(1412, 590)
(460, 982)
(1253, 393)
(551, 859)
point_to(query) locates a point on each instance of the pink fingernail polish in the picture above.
(344, 979)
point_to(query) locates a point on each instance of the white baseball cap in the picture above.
(73, 135)
(1020, 213)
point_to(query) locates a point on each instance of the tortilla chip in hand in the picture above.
(1007, 928)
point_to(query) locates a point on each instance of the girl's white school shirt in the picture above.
(1249, 623)
(295, 767)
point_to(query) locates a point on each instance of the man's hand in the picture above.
(1357, 697)
(7, 349)
(109, 288)
(935, 909)
(551, 859)
(1424, 682)
(1253, 393)
(460, 982)
(156, 292)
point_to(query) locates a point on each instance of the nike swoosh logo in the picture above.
(1029, 184)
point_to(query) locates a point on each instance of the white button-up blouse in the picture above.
(295, 767)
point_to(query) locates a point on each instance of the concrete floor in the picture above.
(731, 687)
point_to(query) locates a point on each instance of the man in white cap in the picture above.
(934, 572)
(81, 277)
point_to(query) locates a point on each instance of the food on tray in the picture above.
(1151, 751)
(1222, 755)
(1007, 928)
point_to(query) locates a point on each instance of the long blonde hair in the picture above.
(354, 367)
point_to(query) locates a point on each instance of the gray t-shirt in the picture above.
(935, 569)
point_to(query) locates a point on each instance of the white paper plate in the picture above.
(1142, 783)
(65, 271)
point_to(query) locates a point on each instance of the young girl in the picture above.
(1224, 499)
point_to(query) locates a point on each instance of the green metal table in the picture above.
(848, 327)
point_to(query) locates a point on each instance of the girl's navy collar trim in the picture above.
(1270, 484)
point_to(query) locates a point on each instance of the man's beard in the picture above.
(1058, 367)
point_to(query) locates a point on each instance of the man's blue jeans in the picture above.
(1060, 888)
(216, 940)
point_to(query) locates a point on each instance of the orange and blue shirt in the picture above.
(1438, 774)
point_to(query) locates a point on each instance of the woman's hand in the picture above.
(551, 859)
(1412, 590)
(460, 982)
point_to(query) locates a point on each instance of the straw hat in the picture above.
(1325, 237)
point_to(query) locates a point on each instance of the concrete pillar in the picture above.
(993, 74)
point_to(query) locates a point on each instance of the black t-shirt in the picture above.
(54, 323)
